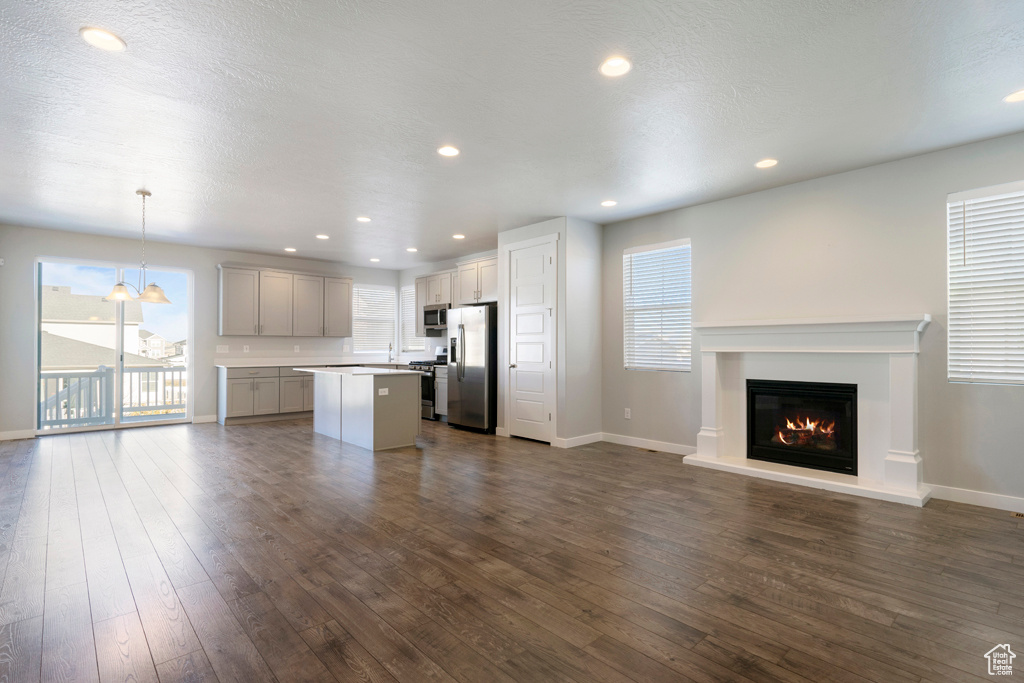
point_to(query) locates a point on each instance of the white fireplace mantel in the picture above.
(889, 464)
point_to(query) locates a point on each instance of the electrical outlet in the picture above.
(245, 349)
(383, 391)
(629, 414)
(346, 348)
(222, 348)
(296, 348)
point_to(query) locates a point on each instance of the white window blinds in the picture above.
(986, 285)
(410, 342)
(373, 318)
(656, 306)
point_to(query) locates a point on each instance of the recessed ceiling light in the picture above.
(363, 219)
(289, 248)
(1015, 97)
(323, 237)
(104, 40)
(412, 249)
(375, 260)
(766, 163)
(458, 237)
(448, 151)
(616, 66)
(609, 202)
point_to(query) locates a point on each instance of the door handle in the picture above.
(511, 365)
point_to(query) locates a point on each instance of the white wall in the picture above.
(21, 246)
(867, 242)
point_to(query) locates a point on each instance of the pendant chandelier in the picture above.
(152, 294)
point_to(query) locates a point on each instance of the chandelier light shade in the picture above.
(153, 294)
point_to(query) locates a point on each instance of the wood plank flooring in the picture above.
(265, 552)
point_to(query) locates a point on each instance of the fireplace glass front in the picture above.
(807, 424)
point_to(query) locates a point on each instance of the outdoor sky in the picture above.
(170, 321)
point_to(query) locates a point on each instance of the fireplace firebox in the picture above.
(807, 424)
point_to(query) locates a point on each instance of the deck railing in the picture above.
(85, 398)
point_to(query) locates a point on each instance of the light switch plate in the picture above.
(383, 391)
(245, 349)
(222, 348)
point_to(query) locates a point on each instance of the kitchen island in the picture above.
(375, 408)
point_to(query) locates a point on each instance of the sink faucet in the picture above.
(390, 352)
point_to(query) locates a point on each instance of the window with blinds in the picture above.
(986, 285)
(409, 340)
(656, 306)
(373, 318)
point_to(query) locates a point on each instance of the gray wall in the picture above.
(20, 247)
(867, 242)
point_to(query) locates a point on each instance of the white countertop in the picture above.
(291, 362)
(359, 371)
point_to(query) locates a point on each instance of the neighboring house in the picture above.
(88, 318)
(152, 345)
(64, 353)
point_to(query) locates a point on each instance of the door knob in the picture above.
(511, 365)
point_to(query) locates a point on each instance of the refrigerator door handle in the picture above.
(461, 367)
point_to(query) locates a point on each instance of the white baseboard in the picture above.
(500, 431)
(988, 500)
(19, 434)
(574, 441)
(202, 419)
(650, 444)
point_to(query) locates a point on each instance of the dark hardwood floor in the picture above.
(265, 552)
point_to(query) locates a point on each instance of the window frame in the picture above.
(629, 346)
(962, 340)
(402, 322)
(393, 320)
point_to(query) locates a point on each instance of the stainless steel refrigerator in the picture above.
(473, 367)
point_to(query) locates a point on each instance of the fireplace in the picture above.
(807, 424)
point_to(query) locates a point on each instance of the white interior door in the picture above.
(532, 301)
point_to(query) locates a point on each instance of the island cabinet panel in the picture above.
(337, 307)
(276, 303)
(308, 306)
(308, 392)
(239, 301)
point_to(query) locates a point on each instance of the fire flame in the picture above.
(812, 427)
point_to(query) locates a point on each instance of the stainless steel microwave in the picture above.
(435, 317)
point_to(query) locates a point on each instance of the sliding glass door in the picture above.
(105, 363)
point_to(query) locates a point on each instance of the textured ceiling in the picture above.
(259, 123)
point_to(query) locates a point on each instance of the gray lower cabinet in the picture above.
(441, 396)
(266, 396)
(307, 392)
(293, 394)
(248, 392)
(238, 398)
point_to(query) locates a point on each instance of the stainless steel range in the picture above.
(428, 369)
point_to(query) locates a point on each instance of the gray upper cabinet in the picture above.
(337, 320)
(239, 301)
(421, 301)
(279, 303)
(307, 306)
(439, 289)
(276, 303)
(487, 272)
(477, 282)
